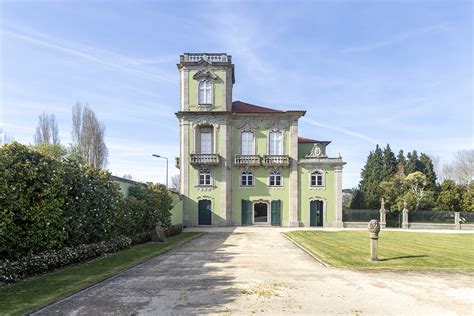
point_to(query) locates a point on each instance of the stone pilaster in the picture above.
(294, 198)
(338, 196)
(226, 174)
(184, 169)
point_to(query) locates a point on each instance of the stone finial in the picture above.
(374, 229)
(382, 205)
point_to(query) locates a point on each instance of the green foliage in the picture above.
(389, 163)
(393, 191)
(450, 198)
(468, 198)
(372, 175)
(11, 271)
(428, 170)
(49, 201)
(357, 200)
(32, 197)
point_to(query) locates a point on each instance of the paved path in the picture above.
(256, 270)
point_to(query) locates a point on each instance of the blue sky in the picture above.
(367, 72)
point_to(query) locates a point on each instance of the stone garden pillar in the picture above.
(374, 229)
(405, 216)
(383, 222)
(457, 220)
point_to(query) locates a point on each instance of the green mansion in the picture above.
(243, 164)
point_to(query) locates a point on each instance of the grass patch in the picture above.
(35, 292)
(397, 250)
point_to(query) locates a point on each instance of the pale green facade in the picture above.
(244, 164)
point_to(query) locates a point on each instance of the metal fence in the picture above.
(467, 217)
(431, 217)
(359, 215)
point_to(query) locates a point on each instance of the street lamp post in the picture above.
(158, 156)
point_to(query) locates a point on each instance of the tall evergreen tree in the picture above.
(428, 170)
(413, 164)
(389, 163)
(401, 162)
(357, 200)
(371, 176)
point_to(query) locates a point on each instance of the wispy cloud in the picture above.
(397, 38)
(99, 56)
(341, 130)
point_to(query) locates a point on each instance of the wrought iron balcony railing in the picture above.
(247, 160)
(276, 160)
(205, 159)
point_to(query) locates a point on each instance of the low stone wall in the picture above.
(431, 226)
(467, 226)
(355, 224)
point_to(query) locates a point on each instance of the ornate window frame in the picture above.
(269, 212)
(323, 179)
(254, 142)
(196, 134)
(205, 187)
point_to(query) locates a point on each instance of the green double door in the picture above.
(205, 212)
(248, 213)
(316, 213)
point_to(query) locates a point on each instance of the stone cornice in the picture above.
(315, 162)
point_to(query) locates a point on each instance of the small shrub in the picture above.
(174, 230)
(11, 271)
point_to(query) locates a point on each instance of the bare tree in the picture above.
(175, 182)
(127, 176)
(47, 130)
(88, 135)
(5, 138)
(461, 170)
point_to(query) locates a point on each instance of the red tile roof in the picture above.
(242, 107)
(307, 140)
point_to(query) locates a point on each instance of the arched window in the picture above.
(205, 92)
(276, 143)
(246, 179)
(204, 177)
(275, 179)
(317, 179)
(248, 147)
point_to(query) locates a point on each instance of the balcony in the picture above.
(211, 57)
(204, 159)
(177, 162)
(247, 160)
(276, 160)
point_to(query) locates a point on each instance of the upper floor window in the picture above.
(204, 177)
(205, 140)
(275, 179)
(248, 147)
(205, 92)
(317, 179)
(276, 143)
(246, 179)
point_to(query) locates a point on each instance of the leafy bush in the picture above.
(174, 230)
(31, 202)
(10, 271)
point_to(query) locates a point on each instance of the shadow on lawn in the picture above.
(189, 279)
(403, 257)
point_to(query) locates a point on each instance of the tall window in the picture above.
(275, 179)
(206, 140)
(276, 143)
(248, 147)
(205, 92)
(246, 179)
(204, 177)
(317, 179)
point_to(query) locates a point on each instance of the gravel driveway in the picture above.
(249, 270)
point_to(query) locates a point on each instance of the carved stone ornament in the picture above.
(374, 229)
(205, 121)
(205, 73)
(247, 125)
(316, 152)
(159, 233)
(278, 125)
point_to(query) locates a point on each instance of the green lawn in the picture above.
(35, 292)
(397, 250)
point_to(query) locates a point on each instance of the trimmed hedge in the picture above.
(11, 271)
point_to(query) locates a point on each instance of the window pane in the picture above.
(206, 143)
(276, 147)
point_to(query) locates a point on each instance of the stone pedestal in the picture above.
(383, 221)
(374, 229)
(405, 216)
(457, 220)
